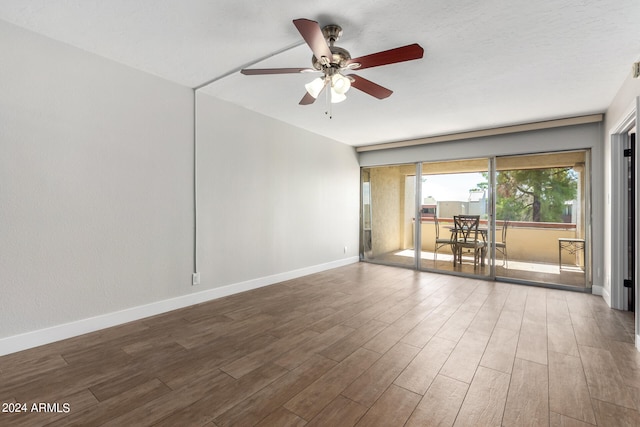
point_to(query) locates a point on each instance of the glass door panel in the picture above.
(388, 214)
(450, 189)
(541, 211)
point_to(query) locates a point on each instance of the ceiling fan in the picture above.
(334, 61)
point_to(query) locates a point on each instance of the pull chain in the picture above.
(328, 96)
(330, 104)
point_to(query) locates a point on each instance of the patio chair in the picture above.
(502, 245)
(466, 237)
(441, 242)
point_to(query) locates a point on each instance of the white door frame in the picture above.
(619, 138)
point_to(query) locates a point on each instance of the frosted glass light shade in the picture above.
(340, 83)
(337, 97)
(315, 87)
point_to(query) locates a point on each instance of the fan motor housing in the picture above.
(340, 58)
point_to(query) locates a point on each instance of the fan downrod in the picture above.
(332, 33)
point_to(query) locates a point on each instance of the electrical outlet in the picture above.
(195, 279)
(345, 249)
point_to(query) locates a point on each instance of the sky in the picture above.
(450, 186)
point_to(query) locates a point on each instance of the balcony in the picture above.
(532, 248)
(549, 189)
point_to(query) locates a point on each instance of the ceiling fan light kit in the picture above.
(340, 84)
(333, 60)
(315, 86)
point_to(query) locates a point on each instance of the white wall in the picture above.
(623, 103)
(554, 139)
(97, 192)
(272, 198)
(95, 185)
(629, 91)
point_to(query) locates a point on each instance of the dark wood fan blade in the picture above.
(367, 86)
(255, 71)
(391, 56)
(307, 99)
(312, 34)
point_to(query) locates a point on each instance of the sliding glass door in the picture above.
(531, 213)
(541, 218)
(451, 189)
(388, 214)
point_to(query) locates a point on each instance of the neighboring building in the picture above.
(477, 203)
(447, 209)
(429, 207)
(567, 212)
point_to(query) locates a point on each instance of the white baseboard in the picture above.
(40, 337)
(599, 290)
(606, 295)
(603, 292)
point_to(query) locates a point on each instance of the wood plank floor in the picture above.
(364, 345)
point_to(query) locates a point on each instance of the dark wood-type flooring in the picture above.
(364, 345)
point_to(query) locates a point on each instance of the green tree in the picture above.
(536, 195)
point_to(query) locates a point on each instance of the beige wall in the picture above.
(531, 244)
(392, 208)
(386, 214)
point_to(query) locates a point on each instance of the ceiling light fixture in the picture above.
(332, 61)
(315, 86)
(339, 86)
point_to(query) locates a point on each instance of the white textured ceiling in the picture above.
(486, 64)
